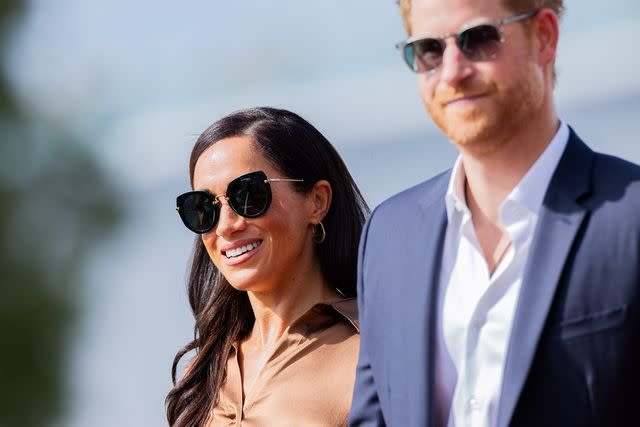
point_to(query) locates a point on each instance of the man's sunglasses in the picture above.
(477, 43)
(248, 195)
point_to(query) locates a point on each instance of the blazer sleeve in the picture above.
(365, 407)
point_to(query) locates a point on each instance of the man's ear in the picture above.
(546, 27)
(320, 199)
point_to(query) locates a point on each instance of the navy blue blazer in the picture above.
(573, 358)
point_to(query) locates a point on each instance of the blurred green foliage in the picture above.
(10, 12)
(55, 203)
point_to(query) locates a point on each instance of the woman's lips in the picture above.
(240, 252)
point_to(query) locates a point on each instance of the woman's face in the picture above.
(279, 241)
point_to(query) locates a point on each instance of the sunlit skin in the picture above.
(282, 275)
(499, 113)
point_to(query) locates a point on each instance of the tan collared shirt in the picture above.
(307, 380)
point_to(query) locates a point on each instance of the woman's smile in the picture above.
(239, 252)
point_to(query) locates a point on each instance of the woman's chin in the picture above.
(245, 282)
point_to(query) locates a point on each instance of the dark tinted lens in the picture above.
(197, 211)
(249, 195)
(480, 43)
(426, 54)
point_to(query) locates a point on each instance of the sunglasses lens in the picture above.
(249, 195)
(480, 43)
(424, 55)
(197, 211)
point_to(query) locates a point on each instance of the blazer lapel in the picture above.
(423, 304)
(559, 221)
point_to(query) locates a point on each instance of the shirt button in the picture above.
(474, 404)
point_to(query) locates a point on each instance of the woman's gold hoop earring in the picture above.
(319, 237)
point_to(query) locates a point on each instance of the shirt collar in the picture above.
(454, 198)
(532, 188)
(322, 315)
(529, 192)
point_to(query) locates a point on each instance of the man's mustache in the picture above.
(450, 94)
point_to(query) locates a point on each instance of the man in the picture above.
(506, 291)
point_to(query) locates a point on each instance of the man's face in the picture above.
(478, 105)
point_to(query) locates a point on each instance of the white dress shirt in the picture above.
(476, 308)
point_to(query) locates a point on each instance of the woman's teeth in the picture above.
(231, 253)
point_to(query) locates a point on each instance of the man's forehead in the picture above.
(446, 16)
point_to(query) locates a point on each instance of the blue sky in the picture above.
(138, 81)
(145, 77)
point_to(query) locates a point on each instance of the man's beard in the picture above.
(486, 127)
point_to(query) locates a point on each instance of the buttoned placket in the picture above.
(481, 296)
(293, 335)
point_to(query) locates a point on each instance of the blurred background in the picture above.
(100, 103)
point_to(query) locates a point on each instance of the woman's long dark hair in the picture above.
(223, 314)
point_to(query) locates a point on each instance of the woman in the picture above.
(272, 278)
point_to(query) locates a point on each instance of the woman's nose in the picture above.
(229, 222)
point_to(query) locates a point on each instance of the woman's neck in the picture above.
(274, 311)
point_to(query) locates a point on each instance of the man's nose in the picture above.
(229, 222)
(455, 66)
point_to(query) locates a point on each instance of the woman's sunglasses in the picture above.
(477, 43)
(248, 195)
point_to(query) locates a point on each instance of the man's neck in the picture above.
(490, 177)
